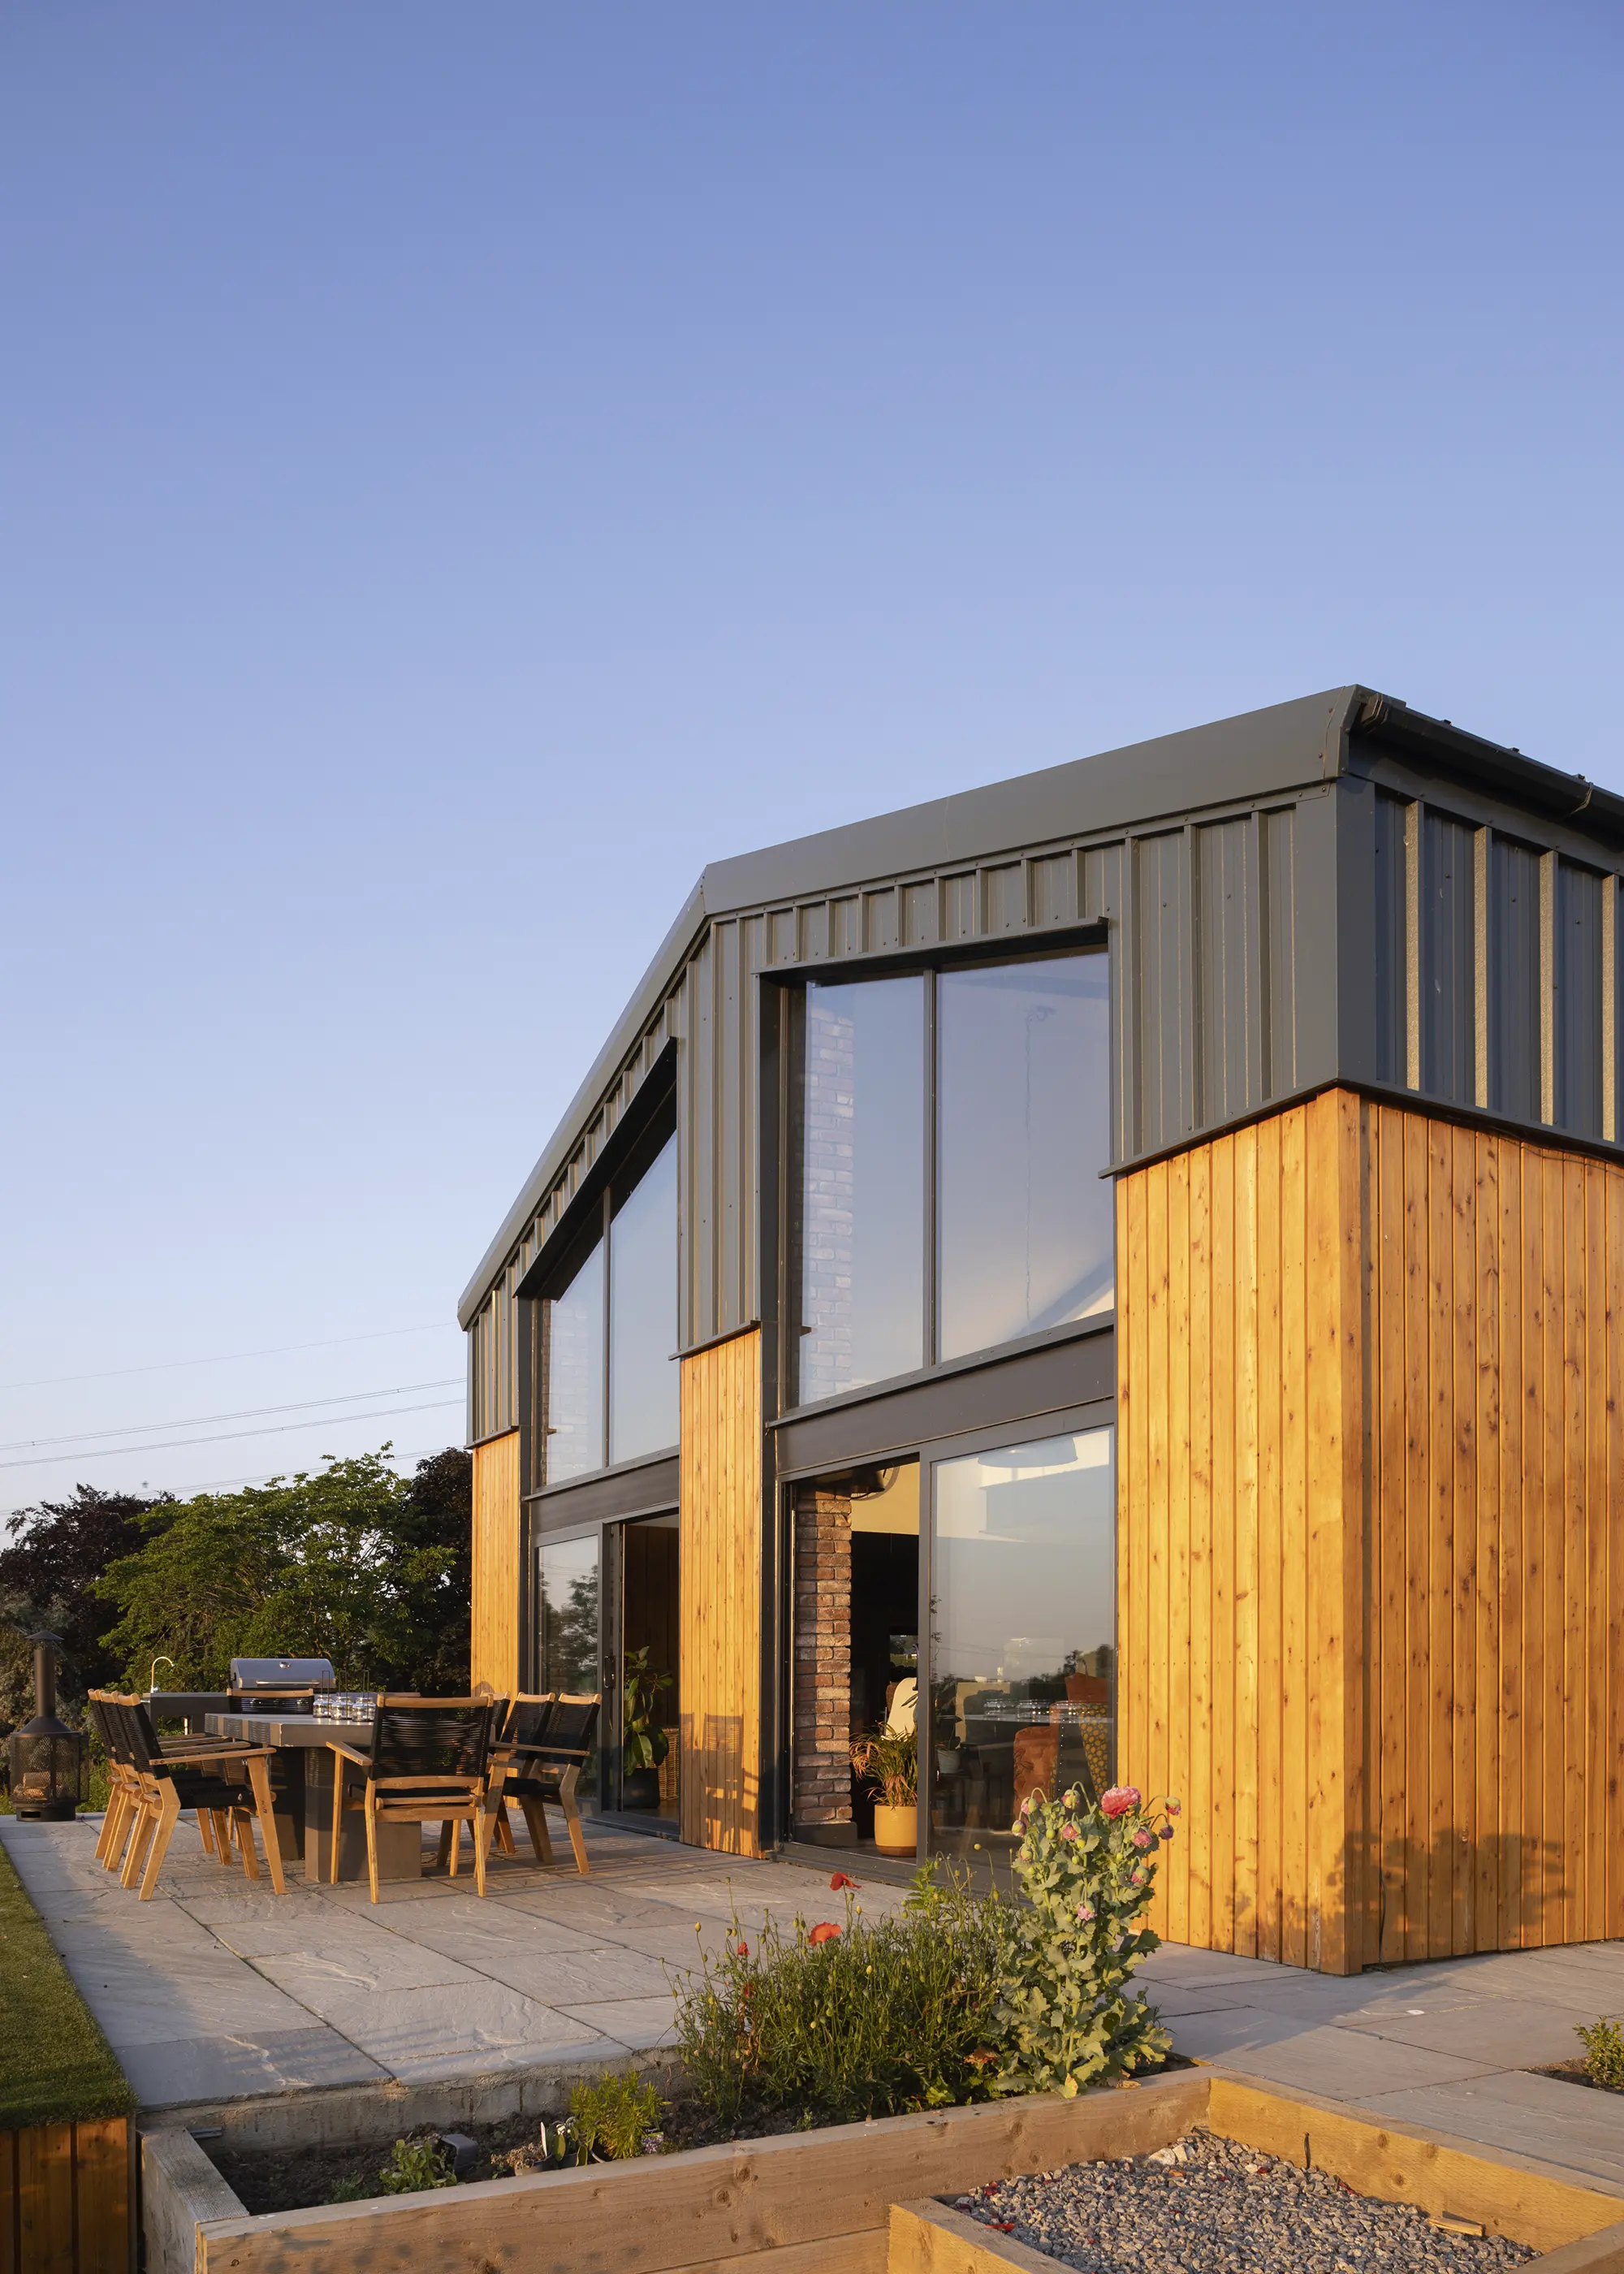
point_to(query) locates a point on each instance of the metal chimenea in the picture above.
(47, 1758)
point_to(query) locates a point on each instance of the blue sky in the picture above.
(461, 469)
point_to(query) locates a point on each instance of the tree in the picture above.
(350, 1562)
(47, 1578)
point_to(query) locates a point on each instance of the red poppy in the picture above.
(843, 1879)
(744, 1950)
(826, 1933)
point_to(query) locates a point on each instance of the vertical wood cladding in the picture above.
(1371, 1547)
(1240, 1584)
(497, 1535)
(720, 1677)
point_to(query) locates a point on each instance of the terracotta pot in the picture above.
(896, 1830)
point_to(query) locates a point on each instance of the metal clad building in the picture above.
(1356, 960)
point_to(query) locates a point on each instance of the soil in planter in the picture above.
(1209, 2205)
(296, 2179)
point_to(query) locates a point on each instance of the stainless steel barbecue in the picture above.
(259, 1677)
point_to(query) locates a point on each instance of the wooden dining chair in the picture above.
(126, 1800)
(430, 1761)
(544, 1770)
(229, 1781)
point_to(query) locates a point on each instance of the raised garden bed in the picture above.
(824, 2200)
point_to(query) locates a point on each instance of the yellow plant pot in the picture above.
(896, 1830)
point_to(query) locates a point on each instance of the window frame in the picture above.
(1092, 940)
(596, 1230)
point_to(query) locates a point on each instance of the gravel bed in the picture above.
(1208, 2205)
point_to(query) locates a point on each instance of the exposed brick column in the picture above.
(822, 1782)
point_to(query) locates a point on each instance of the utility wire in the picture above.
(229, 1437)
(247, 1413)
(223, 1358)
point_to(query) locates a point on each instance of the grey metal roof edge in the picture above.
(1438, 744)
(1253, 754)
(669, 958)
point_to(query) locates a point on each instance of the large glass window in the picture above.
(1023, 1218)
(643, 1313)
(566, 1598)
(863, 1196)
(1022, 1589)
(575, 1373)
(612, 1324)
(1004, 1070)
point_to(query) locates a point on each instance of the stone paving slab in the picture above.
(222, 1989)
(1539, 2116)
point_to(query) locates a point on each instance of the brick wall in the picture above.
(822, 1784)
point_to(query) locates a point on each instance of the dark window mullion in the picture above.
(929, 1292)
(608, 1324)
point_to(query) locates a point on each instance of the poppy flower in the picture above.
(825, 1933)
(1068, 1831)
(1120, 1800)
(1143, 1838)
(744, 1949)
(844, 1879)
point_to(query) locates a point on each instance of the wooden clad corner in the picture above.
(1370, 1535)
(721, 1517)
(494, 1650)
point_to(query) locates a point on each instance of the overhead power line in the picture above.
(247, 1413)
(229, 1437)
(225, 1357)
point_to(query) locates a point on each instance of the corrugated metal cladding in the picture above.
(1213, 926)
(1496, 970)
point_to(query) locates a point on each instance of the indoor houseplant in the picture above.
(643, 1743)
(887, 1761)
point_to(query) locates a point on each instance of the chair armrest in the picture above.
(348, 1753)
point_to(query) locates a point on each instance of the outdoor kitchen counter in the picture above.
(306, 1786)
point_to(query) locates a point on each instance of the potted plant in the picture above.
(887, 1762)
(643, 1743)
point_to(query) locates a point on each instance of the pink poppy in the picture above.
(1143, 1838)
(1068, 1831)
(1120, 1800)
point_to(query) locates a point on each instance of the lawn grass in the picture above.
(55, 2066)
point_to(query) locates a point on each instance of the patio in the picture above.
(218, 1991)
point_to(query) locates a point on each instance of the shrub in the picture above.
(413, 2166)
(611, 2116)
(1603, 2053)
(1064, 2017)
(847, 2021)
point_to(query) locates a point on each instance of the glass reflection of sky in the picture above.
(1025, 1539)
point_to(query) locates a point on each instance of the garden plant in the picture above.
(953, 2000)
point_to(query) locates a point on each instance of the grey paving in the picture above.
(221, 1989)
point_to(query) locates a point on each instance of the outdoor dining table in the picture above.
(304, 1796)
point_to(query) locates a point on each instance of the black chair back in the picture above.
(104, 1722)
(528, 1720)
(567, 1738)
(438, 1737)
(146, 1754)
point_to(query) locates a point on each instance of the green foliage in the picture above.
(1064, 2017)
(611, 2116)
(644, 1743)
(887, 1761)
(55, 2066)
(56, 1552)
(351, 2189)
(1603, 2053)
(415, 2166)
(351, 1563)
(849, 2021)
